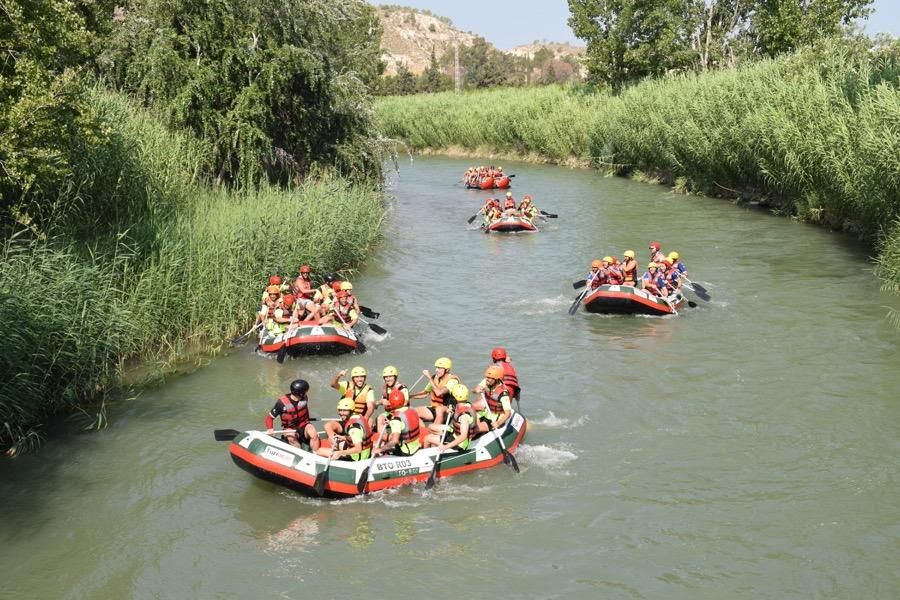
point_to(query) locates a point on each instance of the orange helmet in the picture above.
(341, 294)
(498, 353)
(596, 263)
(305, 269)
(275, 280)
(493, 372)
(336, 286)
(396, 399)
(288, 300)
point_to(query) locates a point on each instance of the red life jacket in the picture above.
(616, 277)
(600, 278)
(363, 424)
(303, 294)
(510, 379)
(294, 416)
(410, 420)
(385, 391)
(359, 400)
(464, 409)
(493, 397)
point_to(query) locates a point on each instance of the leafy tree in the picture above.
(784, 25)
(484, 65)
(434, 79)
(276, 87)
(632, 39)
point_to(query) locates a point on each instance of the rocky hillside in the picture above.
(410, 34)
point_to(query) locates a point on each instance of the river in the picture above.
(746, 448)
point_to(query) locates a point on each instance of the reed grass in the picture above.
(813, 135)
(173, 266)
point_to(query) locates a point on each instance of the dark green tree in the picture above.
(274, 86)
(780, 26)
(434, 79)
(485, 66)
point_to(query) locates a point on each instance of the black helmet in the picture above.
(330, 277)
(299, 387)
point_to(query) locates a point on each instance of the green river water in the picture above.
(746, 448)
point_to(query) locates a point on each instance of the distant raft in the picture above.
(490, 183)
(626, 299)
(510, 225)
(310, 338)
(273, 460)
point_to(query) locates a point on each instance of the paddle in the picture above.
(574, 308)
(376, 328)
(579, 284)
(364, 476)
(359, 343)
(282, 354)
(699, 287)
(548, 215)
(507, 457)
(473, 217)
(226, 435)
(437, 459)
(702, 295)
(365, 310)
(243, 338)
(319, 485)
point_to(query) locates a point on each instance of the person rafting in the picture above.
(302, 285)
(293, 410)
(613, 272)
(491, 211)
(357, 390)
(527, 209)
(439, 389)
(630, 269)
(650, 280)
(509, 205)
(269, 304)
(325, 292)
(391, 377)
(353, 439)
(510, 377)
(400, 432)
(494, 404)
(598, 275)
(656, 255)
(677, 263)
(341, 311)
(346, 286)
(462, 423)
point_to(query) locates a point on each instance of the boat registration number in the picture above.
(403, 466)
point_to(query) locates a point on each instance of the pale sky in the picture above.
(508, 23)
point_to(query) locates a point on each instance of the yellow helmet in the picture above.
(674, 255)
(460, 392)
(390, 371)
(443, 363)
(499, 168)
(607, 259)
(629, 254)
(652, 265)
(346, 404)
(357, 372)
(346, 286)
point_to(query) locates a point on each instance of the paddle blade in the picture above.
(368, 312)
(377, 328)
(472, 218)
(574, 308)
(549, 215)
(579, 284)
(360, 347)
(363, 481)
(692, 304)
(699, 287)
(512, 461)
(431, 478)
(319, 485)
(282, 354)
(225, 435)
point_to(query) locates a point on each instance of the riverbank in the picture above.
(810, 135)
(180, 277)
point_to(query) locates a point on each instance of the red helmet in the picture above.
(396, 399)
(287, 300)
(498, 353)
(341, 294)
(336, 286)
(275, 280)
(655, 246)
(305, 269)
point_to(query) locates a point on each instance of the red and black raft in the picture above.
(511, 225)
(310, 338)
(626, 299)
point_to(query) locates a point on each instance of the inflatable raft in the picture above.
(311, 339)
(625, 299)
(490, 183)
(510, 225)
(274, 460)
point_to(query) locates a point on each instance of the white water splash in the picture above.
(554, 422)
(547, 457)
